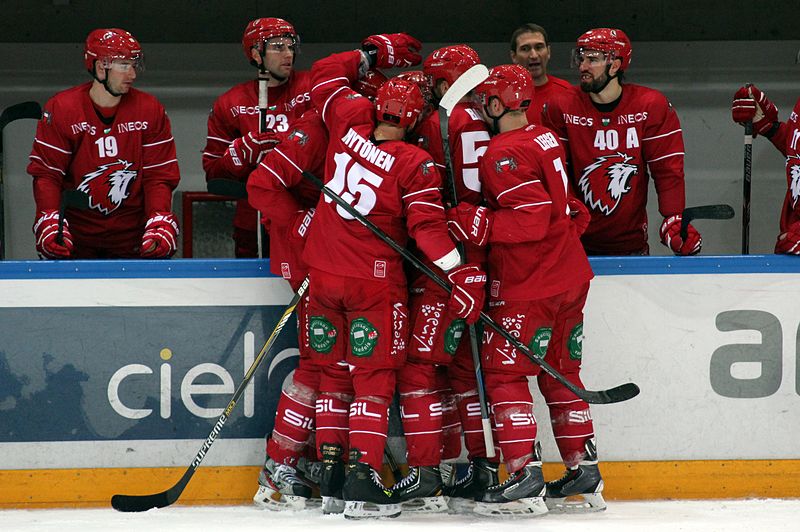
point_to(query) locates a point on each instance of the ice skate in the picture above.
(364, 494)
(481, 474)
(331, 479)
(281, 488)
(421, 490)
(580, 489)
(522, 494)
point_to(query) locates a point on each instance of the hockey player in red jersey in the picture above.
(277, 189)
(541, 301)
(358, 295)
(750, 104)
(530, 48)
(616, 136)
(235, 145)
(114, 143)
(437, 360)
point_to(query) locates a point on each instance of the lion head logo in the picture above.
(606, 180)
(108, 186)
(793, 166)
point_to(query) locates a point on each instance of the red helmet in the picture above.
(369, 84)
(611, 41)
(511, 84)
(107, 44)
(262, 29)
(399, 102)
(416, 76)
(449, 63)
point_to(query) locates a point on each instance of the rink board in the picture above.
(112, 374)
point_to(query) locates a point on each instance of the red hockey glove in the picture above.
(302, 223)
(469, 223)
(390, 50)
(789, 242)
(160, 239)
(46, 231)
(469, 292)
(671, 237)
(749, 103)
(579, 214)
(248, 150)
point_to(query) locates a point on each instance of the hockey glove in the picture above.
(469, 293)
(789, 242)
(302, 223)
(749, 103)
(46, 231)
(390, 50)
(469, 223)
(160, 239)
(248, 150)
(579, 214)
(670, 233)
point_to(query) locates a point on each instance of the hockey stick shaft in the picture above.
(70, 199)
(720, 211)
(140, 503)
(612, 395)
(460, 88)
(263, 106)
(746, 183)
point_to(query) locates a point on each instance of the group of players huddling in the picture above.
(543, 173)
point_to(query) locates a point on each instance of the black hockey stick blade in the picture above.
(141, 503)
(721, 211)
(227, 187)
(19, 111)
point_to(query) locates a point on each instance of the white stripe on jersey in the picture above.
(325, 107)
(226, 141)
(425, 203)
(51, 146)
(157, 143)
(665, 156)
(273, 172)
(214, 155)
(664, 135)
(62, 172)
(159, 164)
(419, 192)
(520, 185)
(532, 204)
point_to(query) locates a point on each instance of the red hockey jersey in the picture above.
(394, 184)
(126, 165)
(787, 140)
(534, 250)
(543, 94)
(235, 113)
(612, 155)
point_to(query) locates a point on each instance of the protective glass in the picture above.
(281, 45)
(125, 65)
(592, 57)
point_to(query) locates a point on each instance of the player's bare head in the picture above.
(399, 103)
(530, 48)
(115, 50)
(446, 65)
(369, 83)
(508, 89)
(271, 42)
(608, 49)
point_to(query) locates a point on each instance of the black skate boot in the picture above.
(521, 494)
(281, 488)
(332, 479)
(421, 491)
(462, 495)
(364, 494)
(580, 489)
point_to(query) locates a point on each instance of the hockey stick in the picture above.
(748, 163)
(721, 211)
(140, 503)
(460, 88)
(70, 199)
(619, 393)
(263, 106)
(10, 114)
(227, 187)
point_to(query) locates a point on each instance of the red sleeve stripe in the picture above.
(157, 143)
(665, 156)
(420, 192)
(273, 172)
(54, 147)
(435, 206)
(59, 170)
(159, 164)
(663, 135)
(520, 185)
(532, 204)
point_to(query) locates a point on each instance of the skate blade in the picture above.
(460, 505)
(270, 499)
(370, 510)
(577, 504)
(530, 506)
(425, 505)
(332, 505)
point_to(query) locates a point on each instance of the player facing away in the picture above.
(115, 144)
(286, 200)
(530, 48)
(235, 143)
(439, 374)
(750, 104)
(528, 215)
(358, 299)
(617, 136)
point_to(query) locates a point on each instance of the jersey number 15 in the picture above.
(353, 184)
